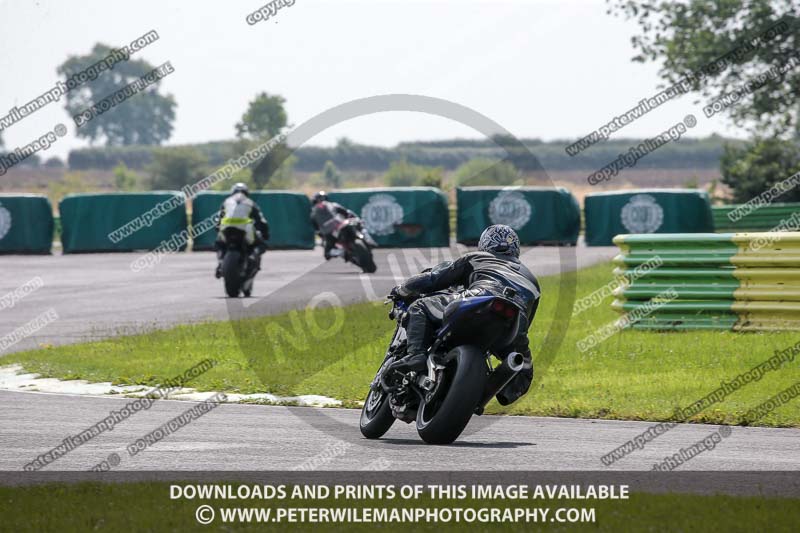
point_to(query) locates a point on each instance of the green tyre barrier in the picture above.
(645, 211)
(26, 224)
(287, 213)
(414, 217)
(123, 222)
(539, 215)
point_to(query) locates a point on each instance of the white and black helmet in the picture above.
(499, 239)
(240, 187)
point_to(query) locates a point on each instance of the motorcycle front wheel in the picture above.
(363, 257)
(376, 415)
(447, 410)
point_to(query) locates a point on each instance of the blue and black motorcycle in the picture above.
(460, 379)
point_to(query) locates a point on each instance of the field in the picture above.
(633, 375)
(56, 182)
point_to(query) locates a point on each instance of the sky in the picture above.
(551, 69)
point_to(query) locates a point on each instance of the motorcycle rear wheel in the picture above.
(442, 418)
(231, 274)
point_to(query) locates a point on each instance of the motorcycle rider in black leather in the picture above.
(489, 271)
(326, 217)
(239, 211)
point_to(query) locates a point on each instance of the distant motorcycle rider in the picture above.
(241, 212)
(327, 217)
(495, 269)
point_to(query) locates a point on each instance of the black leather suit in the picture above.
(479, 273)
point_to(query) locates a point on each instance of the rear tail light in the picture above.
(504, 308)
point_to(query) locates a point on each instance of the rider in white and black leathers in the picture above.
(489, 271)
(241, 212)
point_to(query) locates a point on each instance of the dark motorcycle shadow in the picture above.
(460, 444)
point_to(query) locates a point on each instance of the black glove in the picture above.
(394, 293)
(399, 293)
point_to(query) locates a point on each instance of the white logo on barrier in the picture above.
(381, 213)
(510, 208)
(642, 214)
(5, 221)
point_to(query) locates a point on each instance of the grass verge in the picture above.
(335, 351)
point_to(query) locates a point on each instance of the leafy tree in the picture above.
(433, 177)
(687, 36)
(174, 167)
(754, 168)
(482, 171)
(283, 176)
(144, 118)
(124, 178)
(402, 174)
(264, 118)
(244, 175)
(331, 175)
(279, 160)
(32, 161)
(54, 162)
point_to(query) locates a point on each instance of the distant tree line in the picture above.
(450, 154)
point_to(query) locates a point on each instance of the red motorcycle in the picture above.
(356, 244)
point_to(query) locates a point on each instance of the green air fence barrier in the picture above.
(26, 224)
(90, 221)
(755, 218)
(287, 213)
(645, 211)
(400, 216)
(539, 215)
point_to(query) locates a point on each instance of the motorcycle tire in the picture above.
(231, 273)
(376, 415)
(363, 256)
(442, 418)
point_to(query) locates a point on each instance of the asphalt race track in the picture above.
(98, 296)
(251, 437)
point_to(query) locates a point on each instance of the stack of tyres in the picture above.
(733, 281)
(729, 218)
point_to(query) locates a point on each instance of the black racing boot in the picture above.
(415, 362)
(218, 248)
(333, 252)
